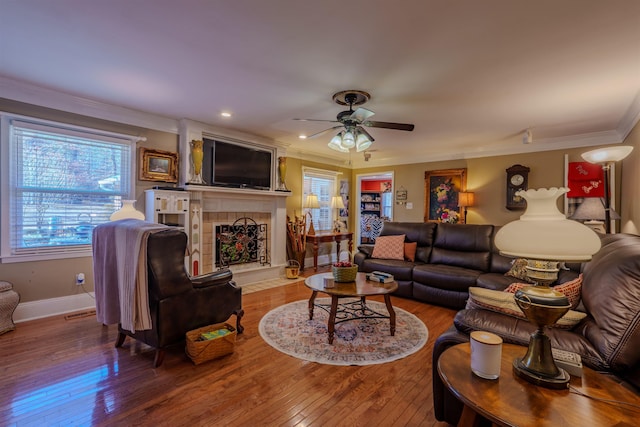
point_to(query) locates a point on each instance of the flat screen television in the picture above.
(232, 165)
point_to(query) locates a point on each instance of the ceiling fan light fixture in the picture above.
(362, 142)
(336, 143)
(348, 141)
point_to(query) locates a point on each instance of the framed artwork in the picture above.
(401, 196)
(441, 188)
(156, 165)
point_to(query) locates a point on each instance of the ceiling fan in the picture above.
(353, 122)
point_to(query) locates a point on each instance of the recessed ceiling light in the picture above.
(225, 114)
(302, 136)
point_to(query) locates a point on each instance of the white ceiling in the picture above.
(471, 75)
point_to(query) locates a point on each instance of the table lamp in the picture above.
(606, 157)
(593, 213)
(465, 199)
(544, 236)
(311, 203)
(337, 203)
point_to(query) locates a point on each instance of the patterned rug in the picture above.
(356, 342)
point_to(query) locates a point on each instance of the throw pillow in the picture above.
(570, 289)
(504, 302)
(410, 251)
(389, 247)
(518, 269)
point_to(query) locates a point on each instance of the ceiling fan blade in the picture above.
(323, 132)
(389, 125)
(316, 120)
(361, 114)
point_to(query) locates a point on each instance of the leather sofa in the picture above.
(449, 259)
(608, 339)
(179, 303)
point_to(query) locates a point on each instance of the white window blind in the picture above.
(62, 183)
(322, 184)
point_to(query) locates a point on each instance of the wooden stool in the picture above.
(8, 302)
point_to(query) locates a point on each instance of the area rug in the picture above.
(356, 342)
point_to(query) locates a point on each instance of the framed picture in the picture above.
(156, 165)
(401, 196)
(441, 190)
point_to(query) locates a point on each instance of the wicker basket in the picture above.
(201, 351)
(345, 274)
(292, 269)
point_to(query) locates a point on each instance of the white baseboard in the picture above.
(55, 306)
(52, 307)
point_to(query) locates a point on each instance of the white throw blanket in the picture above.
(120, 273)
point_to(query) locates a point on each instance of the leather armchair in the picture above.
(179, 303)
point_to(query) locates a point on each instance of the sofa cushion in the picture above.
(495, 281)
(445, 276)
(389, 247)
(401, 270)
(410, 251)
(463, 245)
(504, 302)
(570, 289)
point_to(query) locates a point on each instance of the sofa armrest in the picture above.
(367, 250)
(211, 279)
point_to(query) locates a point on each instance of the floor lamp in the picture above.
(606, 157)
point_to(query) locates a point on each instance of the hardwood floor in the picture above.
(68, 372)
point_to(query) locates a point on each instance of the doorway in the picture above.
(374, 192)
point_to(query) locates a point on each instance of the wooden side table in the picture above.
(315, 239)
(511, 401)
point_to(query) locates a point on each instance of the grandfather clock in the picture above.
(517, 179)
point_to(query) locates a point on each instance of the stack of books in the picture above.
(380, 276)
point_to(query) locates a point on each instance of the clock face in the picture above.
(517, 180)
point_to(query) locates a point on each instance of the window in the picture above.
(60, 182)
(323, 184)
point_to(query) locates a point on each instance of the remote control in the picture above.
(568, 361)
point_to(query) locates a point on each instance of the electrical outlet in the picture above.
(80, 279)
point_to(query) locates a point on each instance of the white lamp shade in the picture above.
(336, 144)
(337, 203)
(362, 142)
(312, 202)
(348, 141)
(607, 154)
(543, 232)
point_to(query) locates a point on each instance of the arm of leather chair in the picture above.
(445, 405)
(211, 279)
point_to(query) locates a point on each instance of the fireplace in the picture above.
(252, 222)
(243, 242)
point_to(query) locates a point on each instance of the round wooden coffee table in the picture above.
(595, 399)
(360, 288)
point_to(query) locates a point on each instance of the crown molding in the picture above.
(49, 98)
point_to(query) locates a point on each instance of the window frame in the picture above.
(8, 157)
(324, 204)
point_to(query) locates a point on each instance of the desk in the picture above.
(326, 238)
(511, 401)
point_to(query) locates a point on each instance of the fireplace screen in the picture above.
(242, 242)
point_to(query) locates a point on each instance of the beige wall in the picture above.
(56, 278)
(630, 200)
(486, 177)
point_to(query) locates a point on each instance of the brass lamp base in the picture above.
(543, 307)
